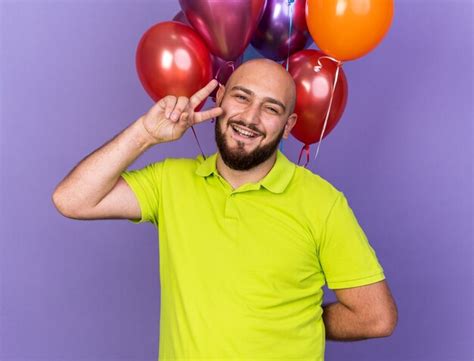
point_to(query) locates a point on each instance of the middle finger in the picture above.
(180, 106)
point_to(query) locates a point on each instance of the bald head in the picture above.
(258, 111)
(268, 74)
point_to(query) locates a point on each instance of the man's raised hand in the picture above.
(171, 116)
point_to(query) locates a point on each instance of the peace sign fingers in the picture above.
(202, 94)
(199, 117)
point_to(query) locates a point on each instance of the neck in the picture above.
(238, 177)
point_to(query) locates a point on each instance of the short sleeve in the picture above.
(346, 257)
(146, 184)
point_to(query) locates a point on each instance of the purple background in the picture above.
(402, 153)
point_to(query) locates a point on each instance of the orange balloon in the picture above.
(348, 29)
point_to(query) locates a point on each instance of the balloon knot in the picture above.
(317, 68)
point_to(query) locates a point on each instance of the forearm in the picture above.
(343, 324)
(94, 176)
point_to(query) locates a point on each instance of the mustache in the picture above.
(249, 126)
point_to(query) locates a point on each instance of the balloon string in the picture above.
(318, 68)
(197, 140)
(229, 63)
(305, 148)
(290, 30)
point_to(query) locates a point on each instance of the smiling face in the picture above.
(258, 102)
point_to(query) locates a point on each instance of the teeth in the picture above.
(243, 132)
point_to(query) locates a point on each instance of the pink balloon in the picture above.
(223, 69)
(225, 25)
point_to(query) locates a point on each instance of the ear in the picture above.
(220, 94)
(290, 123)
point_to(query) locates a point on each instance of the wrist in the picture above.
(142, 135)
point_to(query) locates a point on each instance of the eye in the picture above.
(273, 110)
(239, 96)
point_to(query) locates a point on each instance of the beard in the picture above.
(240, 159)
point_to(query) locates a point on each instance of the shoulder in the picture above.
(313, 185)
(315, 195)
(312, 199)
(177, 163)
(186, 168)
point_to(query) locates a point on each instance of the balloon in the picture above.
(272, 36)
(348, 29)
(225, 25)
(313, 92)
(171, 59)
(221, 69)
(180, 17)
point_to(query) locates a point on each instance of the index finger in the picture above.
(202, 94)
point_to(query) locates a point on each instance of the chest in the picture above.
(254, 233)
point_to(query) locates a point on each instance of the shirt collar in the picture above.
(275, 181)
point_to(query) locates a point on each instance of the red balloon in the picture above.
(313, 93)
(172, 59)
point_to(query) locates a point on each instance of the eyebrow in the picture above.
(267, 99)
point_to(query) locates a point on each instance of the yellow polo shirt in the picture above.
(242, 270)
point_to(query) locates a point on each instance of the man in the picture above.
(247, 239)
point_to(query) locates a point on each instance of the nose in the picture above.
(251, 114)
